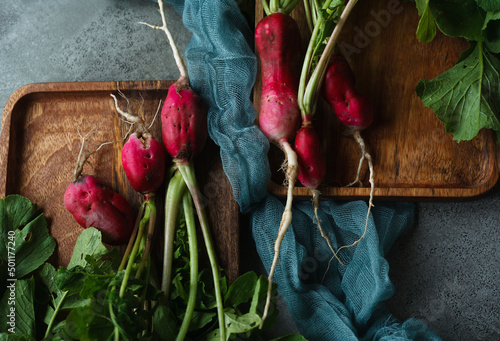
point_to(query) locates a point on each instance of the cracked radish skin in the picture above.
(93, 204)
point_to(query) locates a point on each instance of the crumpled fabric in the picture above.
(328, 300)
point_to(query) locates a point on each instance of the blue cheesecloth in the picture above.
(347, 302)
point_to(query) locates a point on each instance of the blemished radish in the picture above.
(279, 46)
(328, 74)
(184, 134)
(93, 204)
(355, 111)
(144, 163)
(143, 157)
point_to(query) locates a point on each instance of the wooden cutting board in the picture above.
(414, 158)
(39, 145)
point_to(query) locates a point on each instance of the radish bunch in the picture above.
(93, 204)
(329, 74)
(286, 105)
(184, 134)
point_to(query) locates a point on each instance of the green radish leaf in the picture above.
(241, 290)
(17, 312)
(59, 298)
(236, 324)
(86, 323)
(489, 5)
(466, 97)
(165, 323)
(459, 18)
(201, 319)
(491, 31)
(25, 243)
(426, 29)
(89, 242)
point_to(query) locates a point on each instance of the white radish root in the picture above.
(367, 156)
(292, 171)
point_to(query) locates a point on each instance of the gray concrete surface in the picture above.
(445, 270)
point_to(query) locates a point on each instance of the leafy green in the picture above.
(25, 240)
(426, 30)
(466, 97)
(17, 312)
(88, 243)
(458, 18)
(489, 5)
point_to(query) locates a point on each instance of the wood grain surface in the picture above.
(414, 158)
(39, 145)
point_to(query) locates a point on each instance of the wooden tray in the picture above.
(39, 145)
(414, 158)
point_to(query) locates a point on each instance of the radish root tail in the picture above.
(84, 153)
(175, 50)
(315, 199)
(368, 158)
(286, 219)
(362, 147)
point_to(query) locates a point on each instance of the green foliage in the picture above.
(25, 240)
(467, 96)
(82, 301)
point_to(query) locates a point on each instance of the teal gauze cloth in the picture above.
(343, 301)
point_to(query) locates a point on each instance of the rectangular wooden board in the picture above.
(39, 146)
(414, 158)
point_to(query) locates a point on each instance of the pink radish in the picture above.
(277, 38)
(312, 166)
(93, 204)
(143, 157)
(352, 108)
(184, 122)
(144, 163)
(184, 133)
(314, 74)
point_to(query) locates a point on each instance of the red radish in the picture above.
(184, 121)
(184, 132)
(143, 157)
(314, 74)
(93, 204)
(352, 108)
(144, 162)
(312, 166)
(277, 38)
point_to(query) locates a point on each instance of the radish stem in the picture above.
(135, 250)
(174, 195)
(314, 84)
(193, 264)
(187, 171)
(56, 310)
(151, 204)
